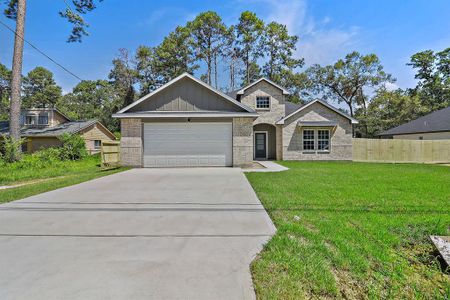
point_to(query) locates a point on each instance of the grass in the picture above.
(353, 231)
(54, 175)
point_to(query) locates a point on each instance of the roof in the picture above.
(290, 107)
(433, 122)
(184, 114)
(288, 115)
(184, 75)
(68, 127)
(242, 90)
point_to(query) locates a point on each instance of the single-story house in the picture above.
(41, 128)
(187, 123)
(434, 126)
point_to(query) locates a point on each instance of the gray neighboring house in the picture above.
(187, 123)
(434, 126)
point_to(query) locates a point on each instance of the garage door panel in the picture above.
(187, 144)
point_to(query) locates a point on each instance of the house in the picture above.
(434, 126)
(187, 123)
(41, 128)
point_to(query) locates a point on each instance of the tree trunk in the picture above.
(215, 71)
(16, 78)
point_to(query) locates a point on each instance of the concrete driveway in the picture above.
(140, 234)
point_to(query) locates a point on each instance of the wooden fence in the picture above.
(110, 152)
(393, 150)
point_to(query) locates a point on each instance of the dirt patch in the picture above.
(4, 187)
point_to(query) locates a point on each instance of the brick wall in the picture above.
(341, 135)
(242, 141)
(131, 142)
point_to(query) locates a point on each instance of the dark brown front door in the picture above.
(260, 145)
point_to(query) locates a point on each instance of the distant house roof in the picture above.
(68, 127)
(433, 122)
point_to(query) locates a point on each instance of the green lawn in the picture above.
(43, 177)
(353, 230)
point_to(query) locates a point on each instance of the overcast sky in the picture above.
(328, 29)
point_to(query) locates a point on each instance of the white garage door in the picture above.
(187, 144)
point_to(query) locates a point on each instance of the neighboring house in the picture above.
(188, 123)
(434, 126)
(41, 128)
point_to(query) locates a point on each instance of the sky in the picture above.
(327, 30)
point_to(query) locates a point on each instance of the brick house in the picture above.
(188, 123)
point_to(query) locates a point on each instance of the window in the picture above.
(43, 119)
(30, 120)
(263, 102)
(323, 140)
(97, 144)
(308, 139)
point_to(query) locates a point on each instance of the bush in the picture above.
(73, 147)
(10, 150)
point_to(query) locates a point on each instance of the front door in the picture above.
(260, 145)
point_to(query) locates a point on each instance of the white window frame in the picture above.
(267, 143)
(319, 139)
(316, 140)
(263, 108)
(313, 139)
(33, 118)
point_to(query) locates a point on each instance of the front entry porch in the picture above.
(264, 143)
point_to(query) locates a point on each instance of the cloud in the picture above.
(319, 42)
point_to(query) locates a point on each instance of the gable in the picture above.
(186, 94)
(323, 111)
(265, 81)
(97, 132)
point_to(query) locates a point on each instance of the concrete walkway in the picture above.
(140, 234)
(269, 166)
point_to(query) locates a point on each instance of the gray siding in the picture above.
(186, 95)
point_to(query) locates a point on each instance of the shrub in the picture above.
(10, 149)
(73, 147)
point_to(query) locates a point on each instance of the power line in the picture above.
(40, 51)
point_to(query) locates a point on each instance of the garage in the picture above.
(187, 144)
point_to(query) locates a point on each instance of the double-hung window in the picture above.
(323, 140)
(262, 102)
(308, 139)
(316, 140)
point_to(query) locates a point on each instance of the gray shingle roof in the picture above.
(436, 121)
(68, 127)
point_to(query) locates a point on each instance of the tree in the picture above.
(92, 99)
(40, 89)
(123, 77)
(249, 31)
(231, 57)
(279, 48)
(146, 70)
(347, 79)
(16, 10)
(388, 109)
(174, 55)
(433, 73)
(207, 32)
(5, 92)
